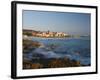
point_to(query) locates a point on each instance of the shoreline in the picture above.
(51, 63)
(30, 45)
(30, 37)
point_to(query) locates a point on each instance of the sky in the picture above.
(68, 22)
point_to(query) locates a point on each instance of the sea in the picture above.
(74, 48)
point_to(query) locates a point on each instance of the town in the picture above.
(44, 34)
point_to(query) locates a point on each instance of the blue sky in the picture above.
(71, 23)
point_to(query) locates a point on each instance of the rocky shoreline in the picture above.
(38, 61)
(50, 63)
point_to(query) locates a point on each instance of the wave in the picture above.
(46, 53)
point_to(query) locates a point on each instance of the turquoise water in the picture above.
(74, 48)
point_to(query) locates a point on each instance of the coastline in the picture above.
(32, 45)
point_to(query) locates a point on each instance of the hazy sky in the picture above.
(72, 23)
